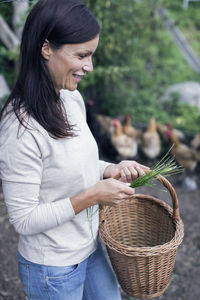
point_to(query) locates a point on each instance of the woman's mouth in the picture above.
(77, 77)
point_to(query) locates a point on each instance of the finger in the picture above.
(132, 192)
(135, 164)
(134, 173)
(140, 171)
(123, 176)
(125, 197)
(124, 189)
(129, 192)
(128, 174)
(143, 166)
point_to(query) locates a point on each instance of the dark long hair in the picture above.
(60, 22)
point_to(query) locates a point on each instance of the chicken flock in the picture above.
(127, 140)
(119, 140)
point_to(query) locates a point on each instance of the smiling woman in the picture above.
(52, 33)
(68, 64)
(49, 163)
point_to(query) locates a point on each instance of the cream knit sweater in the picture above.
(39, 175)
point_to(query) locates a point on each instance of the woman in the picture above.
(50, 169)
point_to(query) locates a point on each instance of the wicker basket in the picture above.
(142, 236)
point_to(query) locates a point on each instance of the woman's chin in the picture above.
(71, 87)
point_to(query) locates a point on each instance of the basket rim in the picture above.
(143, 251)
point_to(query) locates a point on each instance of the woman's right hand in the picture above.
(106, 192)
(111, 192)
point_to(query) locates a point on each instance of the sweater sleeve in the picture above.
(27, 214)
(21, 158)
(21, 169)
(102, 167)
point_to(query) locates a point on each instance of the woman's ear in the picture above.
(46, 50)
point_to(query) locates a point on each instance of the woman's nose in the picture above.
(88, 67)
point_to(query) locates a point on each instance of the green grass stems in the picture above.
(166, 167)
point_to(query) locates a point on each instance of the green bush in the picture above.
(135, 62)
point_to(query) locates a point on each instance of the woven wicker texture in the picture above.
(142, 236)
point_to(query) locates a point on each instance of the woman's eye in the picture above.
(82, 56)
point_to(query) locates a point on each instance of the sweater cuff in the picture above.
(102, 166)
(64, 211)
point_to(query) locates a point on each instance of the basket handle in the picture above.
(167, 184)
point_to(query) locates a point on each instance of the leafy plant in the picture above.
(135, 62)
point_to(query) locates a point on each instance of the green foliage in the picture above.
(6, 12)
(188, 21)
(7, 66)
(9, 54)
(181, 115)
(7, 57)
(136, 60)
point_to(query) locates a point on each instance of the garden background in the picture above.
(136, 61)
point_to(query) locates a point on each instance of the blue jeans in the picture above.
(92, 279)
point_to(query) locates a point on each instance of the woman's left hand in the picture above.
(127, 170)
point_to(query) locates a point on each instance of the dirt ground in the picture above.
(186, 275)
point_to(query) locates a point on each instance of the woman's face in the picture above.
(70, 63)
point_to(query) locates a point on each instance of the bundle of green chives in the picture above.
(166, 167)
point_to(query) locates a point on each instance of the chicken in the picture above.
(151, 145)
(163, 129)
(125, 146)
(101, 135)
(129, 130)
(186, 157)
(195, 144)
(105, 124)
